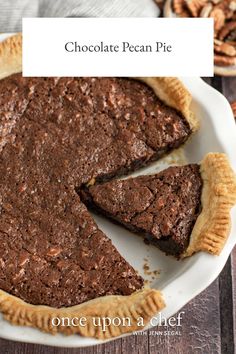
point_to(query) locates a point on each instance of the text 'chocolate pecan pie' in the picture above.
(57, 134)
(182, 210)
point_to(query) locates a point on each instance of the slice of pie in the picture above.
(182, 210)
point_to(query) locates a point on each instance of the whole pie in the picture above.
(57, 137)
(181, 210)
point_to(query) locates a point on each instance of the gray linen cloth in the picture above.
(12, 11)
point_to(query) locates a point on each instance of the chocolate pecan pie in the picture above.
(56, 135)
(182, 210)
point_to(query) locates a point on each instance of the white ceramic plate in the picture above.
(179, 281)
(218, 70)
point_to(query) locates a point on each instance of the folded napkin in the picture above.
(12, 11)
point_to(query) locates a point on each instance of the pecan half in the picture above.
(206, 10)
(180, 8)
(227, 7)
(227, 29)
(195, 6)
(219, 19)
(224, 60)
(224, 48)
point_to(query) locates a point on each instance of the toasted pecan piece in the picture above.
(180, 8)
(227, 29)
(224, 48)
(206, 10)
(195, 6)
(227, 6)
(219, 19)
(224, 60)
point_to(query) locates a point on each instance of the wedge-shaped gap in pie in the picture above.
(182, 209)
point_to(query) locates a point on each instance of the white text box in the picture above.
(117, 47)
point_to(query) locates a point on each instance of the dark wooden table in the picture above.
(209, 322)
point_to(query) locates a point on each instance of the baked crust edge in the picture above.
(145, 303)
(11, 55)
(213, 225)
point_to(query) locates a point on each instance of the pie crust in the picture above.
(11, 56)
(143, 304)
(212, 227)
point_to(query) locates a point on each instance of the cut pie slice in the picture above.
(182, 210)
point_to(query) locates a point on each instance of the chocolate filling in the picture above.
(56, 134)
(162, 207)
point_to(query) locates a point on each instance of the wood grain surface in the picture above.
(209, 321)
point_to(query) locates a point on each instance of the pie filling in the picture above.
(56, 134)
(162, 207)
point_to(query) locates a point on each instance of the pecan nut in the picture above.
(227, 29)
(224, 48)
(219, 19)
(206, 10)
(224, 60)
(195, 6)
